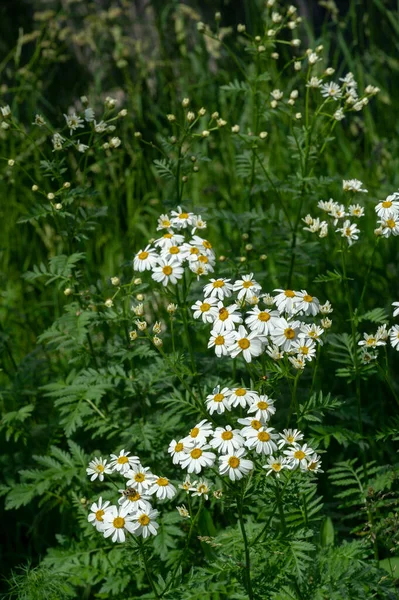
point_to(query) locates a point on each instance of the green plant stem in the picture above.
(366, 281)
(388, 381)
(146, 568)
(294, 400)
(246, 545)
(280, 505)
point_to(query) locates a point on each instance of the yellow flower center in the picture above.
(134, 497)
(167, 236)
(371, 341)
(167, 270)
(348, 232)
(142, 255)
(194, 432)
(304, 349)
(255, 424)
(263, 436)
(122, 460)
(174, 250)
(99, 515)
(144, 520)
(202, 488)
(218, 283)
(223, 314)
(139, 477)
(203, 259)
(276, 467)
(264, 316)
(119, 522)
(289, 293)
(194, 251)
(227, 435)
(179, 447)
(234, 462)
(240, 392)
(387, 204)
(263, 405)
(219, 340)
(244, 343)
(218, 397)
(162, 481)
(308, 298)
(196, 453)
(183, 216)
(299, 454)
(207, 244)
(290, 438)
(166, 223)
(312, 466)
(391, 223)
(247, 284)
(205, 307)
(100, 468)
(289, 333)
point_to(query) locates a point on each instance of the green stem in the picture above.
(146, 568)
(280, 505)
(246, 547)
(366, 281)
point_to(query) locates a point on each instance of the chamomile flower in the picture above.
(394, 337)
(331, 90)
(313, 465)
(286, 301)
(306, 347)
(164, 222)
(355, 210)
(167, 271)
(382, 334)
(162, 488)
(249, 344)
(203, 245)
(235, 465)
(198, 223)
(246, 287)
(218, 288)
(262, 441)
(143, 522)
(263, 408)
(371, 341)
(326, 308)
(289, 437)
(123, 462)
(250, 425)
(178, 450)
(117, 522)
(145, 259)
(218, 401)
(227, 318)
(73, 122)
(389, 206)
(349, 231)
(226, 440)
(298, 455)
(274, 352)
(200, 433)
(353, 185)
(187, 484)
(139, 478)
(96, 516)
(307, 304)
(169, 239)
(206, 309)
(285, 333)
(197, 459)
(275, 464)
(201, 488)
(221, 342)
(242, 397)
(98, 468)
(133, 500)
(390, 225)
(261, 321)
(181, 219)
(173, 253)
(297, 361)
(396, 311)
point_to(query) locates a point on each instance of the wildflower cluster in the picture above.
(388, 213)
(205, 445)
(273, 328)
(134, 513)
(167, 255)
(378, 339)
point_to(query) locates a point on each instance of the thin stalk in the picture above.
(280, 505)
(246, 547)
(146, 568)
(366, 281)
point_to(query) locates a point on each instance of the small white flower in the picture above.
(181, 219)
(314, 82)
(286, 300)
(326, 308)
(169, 239)
(206, 309)
(133, 500)
(371, 341)
(349, 231)
(227, 318)
(355, 210)
(285, 333)
(98, 468)
(263, 408)
(249, 344)
(96, 517)
(394, 336)
(162, 488)
(262, 441)
(306, 304)
(198, 458)
(396, 311)
(218, 288)
(200, 433)
(313, 465)
(388, 207)
(143, 522)
(89, 115)
(290, 437)
(178, 450)
(221, 342)
(331, 90)
(201, 488)
(275, 464)
(306, 347)
(218, 401)
(235, 465)
(123, 462)
(261, 321)
(390, 225)
(298, 455)
(167, 271)
(145, 259)
(226, 440)
(140, 478)
(353, 185)
(116, 522)
(246, 287)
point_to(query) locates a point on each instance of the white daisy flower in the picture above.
(286, 333)
(306, 347)
(173, 253)
(169, 239)
(164, 222)
(226, 440)
(389, 206)
(235, 465)
(349, 231)
(167, 271)
(203, 245)
(200, 433)
(96, 517)
(218, 401)
(313, 465)
(263, 408)
(353, 185)
(228, 317)
(275, 464)
(306, 304)
(261, 321)
(162, 488)
(201, 261)
(268, 299)
(250, 425)
(139, 478)
(297, 455)
(290, 436)
(326, 308)
(100, 127)
(382, 334)
(221, 342)
(286, 300)
(219, 288)
(201, 488)
(116, 523)
(331, 90)
(181, 219)
(145, 259)
(396, 311)
(143, 522)
(262, 441)
(98, 468)
(198, 458)
(246, 287)
(394, 336)
(297, 361)
(206, 309)
(198, 223)
(249, 344)
(355, 210)
(187, 484)
(274, 352)
(178, 450)
(371, 341)
(123, 462)
(338, 212)
(314, 82)
(189, 252)
(73, 122)
(133, 500)
(242, 397)
(183, 512)
(390, 225)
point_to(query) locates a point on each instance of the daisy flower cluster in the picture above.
(371, 342)
(388, 213)
(237, 450)
(179, 246)
(246, 322)
(339, 214)
(134, 512)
